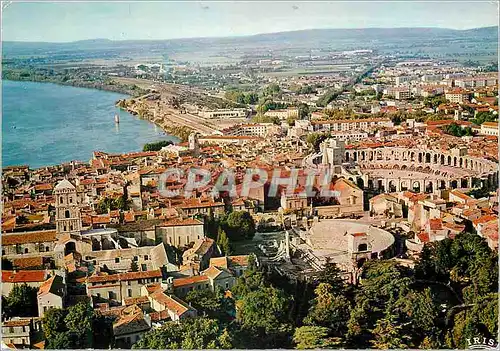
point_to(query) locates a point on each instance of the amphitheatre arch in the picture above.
(399, 168)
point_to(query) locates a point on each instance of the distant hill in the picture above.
(341, 39)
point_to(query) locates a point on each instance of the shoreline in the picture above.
(176, 138)
(176, 130)
(84, 84)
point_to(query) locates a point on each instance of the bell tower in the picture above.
(194, 146)
(68, 218)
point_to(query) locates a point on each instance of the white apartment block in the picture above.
(349, 136)
(477, 82)
(351, 124)
(291, 112)
(489, 128)
(254, 129)
(403, 80)
(457, 95)
(224, 113)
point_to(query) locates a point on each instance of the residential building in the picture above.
(131, 324)
(457, 95)
(199, 255)
(18, 332)
(283, 114)
(489, 128)
(180, 232)
(113, 288)
(224, 113)
(51, 294)
(32, 278)
(175, 307)
(36, 242)
(351, 124)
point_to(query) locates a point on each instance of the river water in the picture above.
(46, 124)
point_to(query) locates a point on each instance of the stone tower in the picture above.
(359, 247)
(194, 146)
(68, 218)
(333, 152)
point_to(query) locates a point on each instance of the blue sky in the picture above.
(66, 21)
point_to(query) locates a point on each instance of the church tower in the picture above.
(68, 218)
(194, 146)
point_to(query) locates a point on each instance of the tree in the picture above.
(387, 335)
(239, 225)
(210, 304)
(434, 101)
(79, 321)
(456, 130)
(482, 117)
(332, 275)
(156, 146)
(329, 310)
(328, 97)
(309, 337)
(225, 340)
(251, 280)
(315, 139)
(262, 316)
(303, 111)
(104, 205)
(64, 340)
(53, 323)
(22, 301)
(134, 267)
(383, 285)
(193, 333)
(69, 328)
(265, 119)
(102, 327)
(223, 242)
(122, 203)
(272, 90)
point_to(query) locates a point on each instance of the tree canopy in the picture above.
(193, 333)
(71, 328)
(156, 146)
(21, 302)
(239, 225)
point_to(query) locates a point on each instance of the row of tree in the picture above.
(456, 130)
(451, 295)
(248, 98)
(76, 327)
(156, 146)
(232, 227)
(107, 203)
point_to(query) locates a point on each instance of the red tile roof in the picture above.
(170, 303)
(28, 262)
(181, 222)
(23, 276)
(190, 280)
(29, 237)
(436, 224)
(17, 323)
(136, 300)
(124, 276)
(424, 237)
(485, 219)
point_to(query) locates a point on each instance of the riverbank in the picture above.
(137, 107)
(99, 83)
(47, 124)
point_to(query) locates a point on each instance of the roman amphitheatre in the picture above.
(394, 169)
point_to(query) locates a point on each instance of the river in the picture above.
(46, 124)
